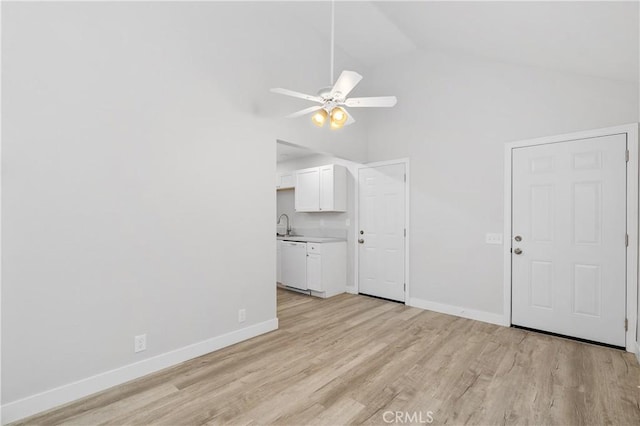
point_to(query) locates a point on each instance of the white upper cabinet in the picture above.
(307, 195)
(327, 181)
(320, 189)
(285, 180)
(333, 188)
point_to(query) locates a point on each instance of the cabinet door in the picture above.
(326, 188)
(307, 195)
(314, 272)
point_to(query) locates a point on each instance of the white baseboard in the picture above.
(638, 351)
(351, 289)
(37, 403)
(483, 316)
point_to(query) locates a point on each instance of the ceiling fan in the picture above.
(333, 99)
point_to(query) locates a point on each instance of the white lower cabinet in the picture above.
(327, 268)
(320, 268)
(314, 271)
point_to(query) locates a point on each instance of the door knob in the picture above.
(518, 238)
(361, 241)
(361, 232)
(517, 251)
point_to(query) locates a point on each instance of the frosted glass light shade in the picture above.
(319, 117)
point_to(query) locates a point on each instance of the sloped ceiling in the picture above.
(591, 38)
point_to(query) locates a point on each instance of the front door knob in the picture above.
(518, 238)
(517, 251)
(361, 241)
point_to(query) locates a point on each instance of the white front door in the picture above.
(381, 195)
(568, 243)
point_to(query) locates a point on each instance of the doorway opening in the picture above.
(315, 223)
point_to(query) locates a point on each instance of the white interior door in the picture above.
(381, 196)
(569, 238)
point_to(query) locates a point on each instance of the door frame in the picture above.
(356, 264)
(631, 130)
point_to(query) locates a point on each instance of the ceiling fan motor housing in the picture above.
(328, 94)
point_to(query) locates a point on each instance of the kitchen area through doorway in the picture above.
(341, 226)
(315, 232)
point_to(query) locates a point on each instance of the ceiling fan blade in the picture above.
(295, 94)
(373, 101)
(346, 82)
(304, 111)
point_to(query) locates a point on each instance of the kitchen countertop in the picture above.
(302, 239)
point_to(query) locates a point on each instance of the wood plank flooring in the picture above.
(358, 360)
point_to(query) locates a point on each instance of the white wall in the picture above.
(638, 306)
(124, 210)
(454, 115)
(322, 224)
(138, 160)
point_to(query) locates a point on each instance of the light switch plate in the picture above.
(493, 238)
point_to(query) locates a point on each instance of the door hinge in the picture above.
(405, 177)
(626, 324)
(405, 232)
(626, 240)
(626, 155)
(405, 286)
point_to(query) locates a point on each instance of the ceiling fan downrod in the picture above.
(333, 38)
(333, 99)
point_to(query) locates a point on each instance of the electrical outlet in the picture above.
(242, 315)
(493, 239)
(140, 343)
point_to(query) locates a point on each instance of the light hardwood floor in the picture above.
(350, 359)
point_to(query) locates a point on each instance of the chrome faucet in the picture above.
(288, 231)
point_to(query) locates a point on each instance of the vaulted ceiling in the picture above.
(591, 38)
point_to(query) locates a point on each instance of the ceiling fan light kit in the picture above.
(338, 117)
(333, 99)
(319, 117)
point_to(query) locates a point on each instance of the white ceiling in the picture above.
(287, 151)
(592, 38)
(362, 30)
